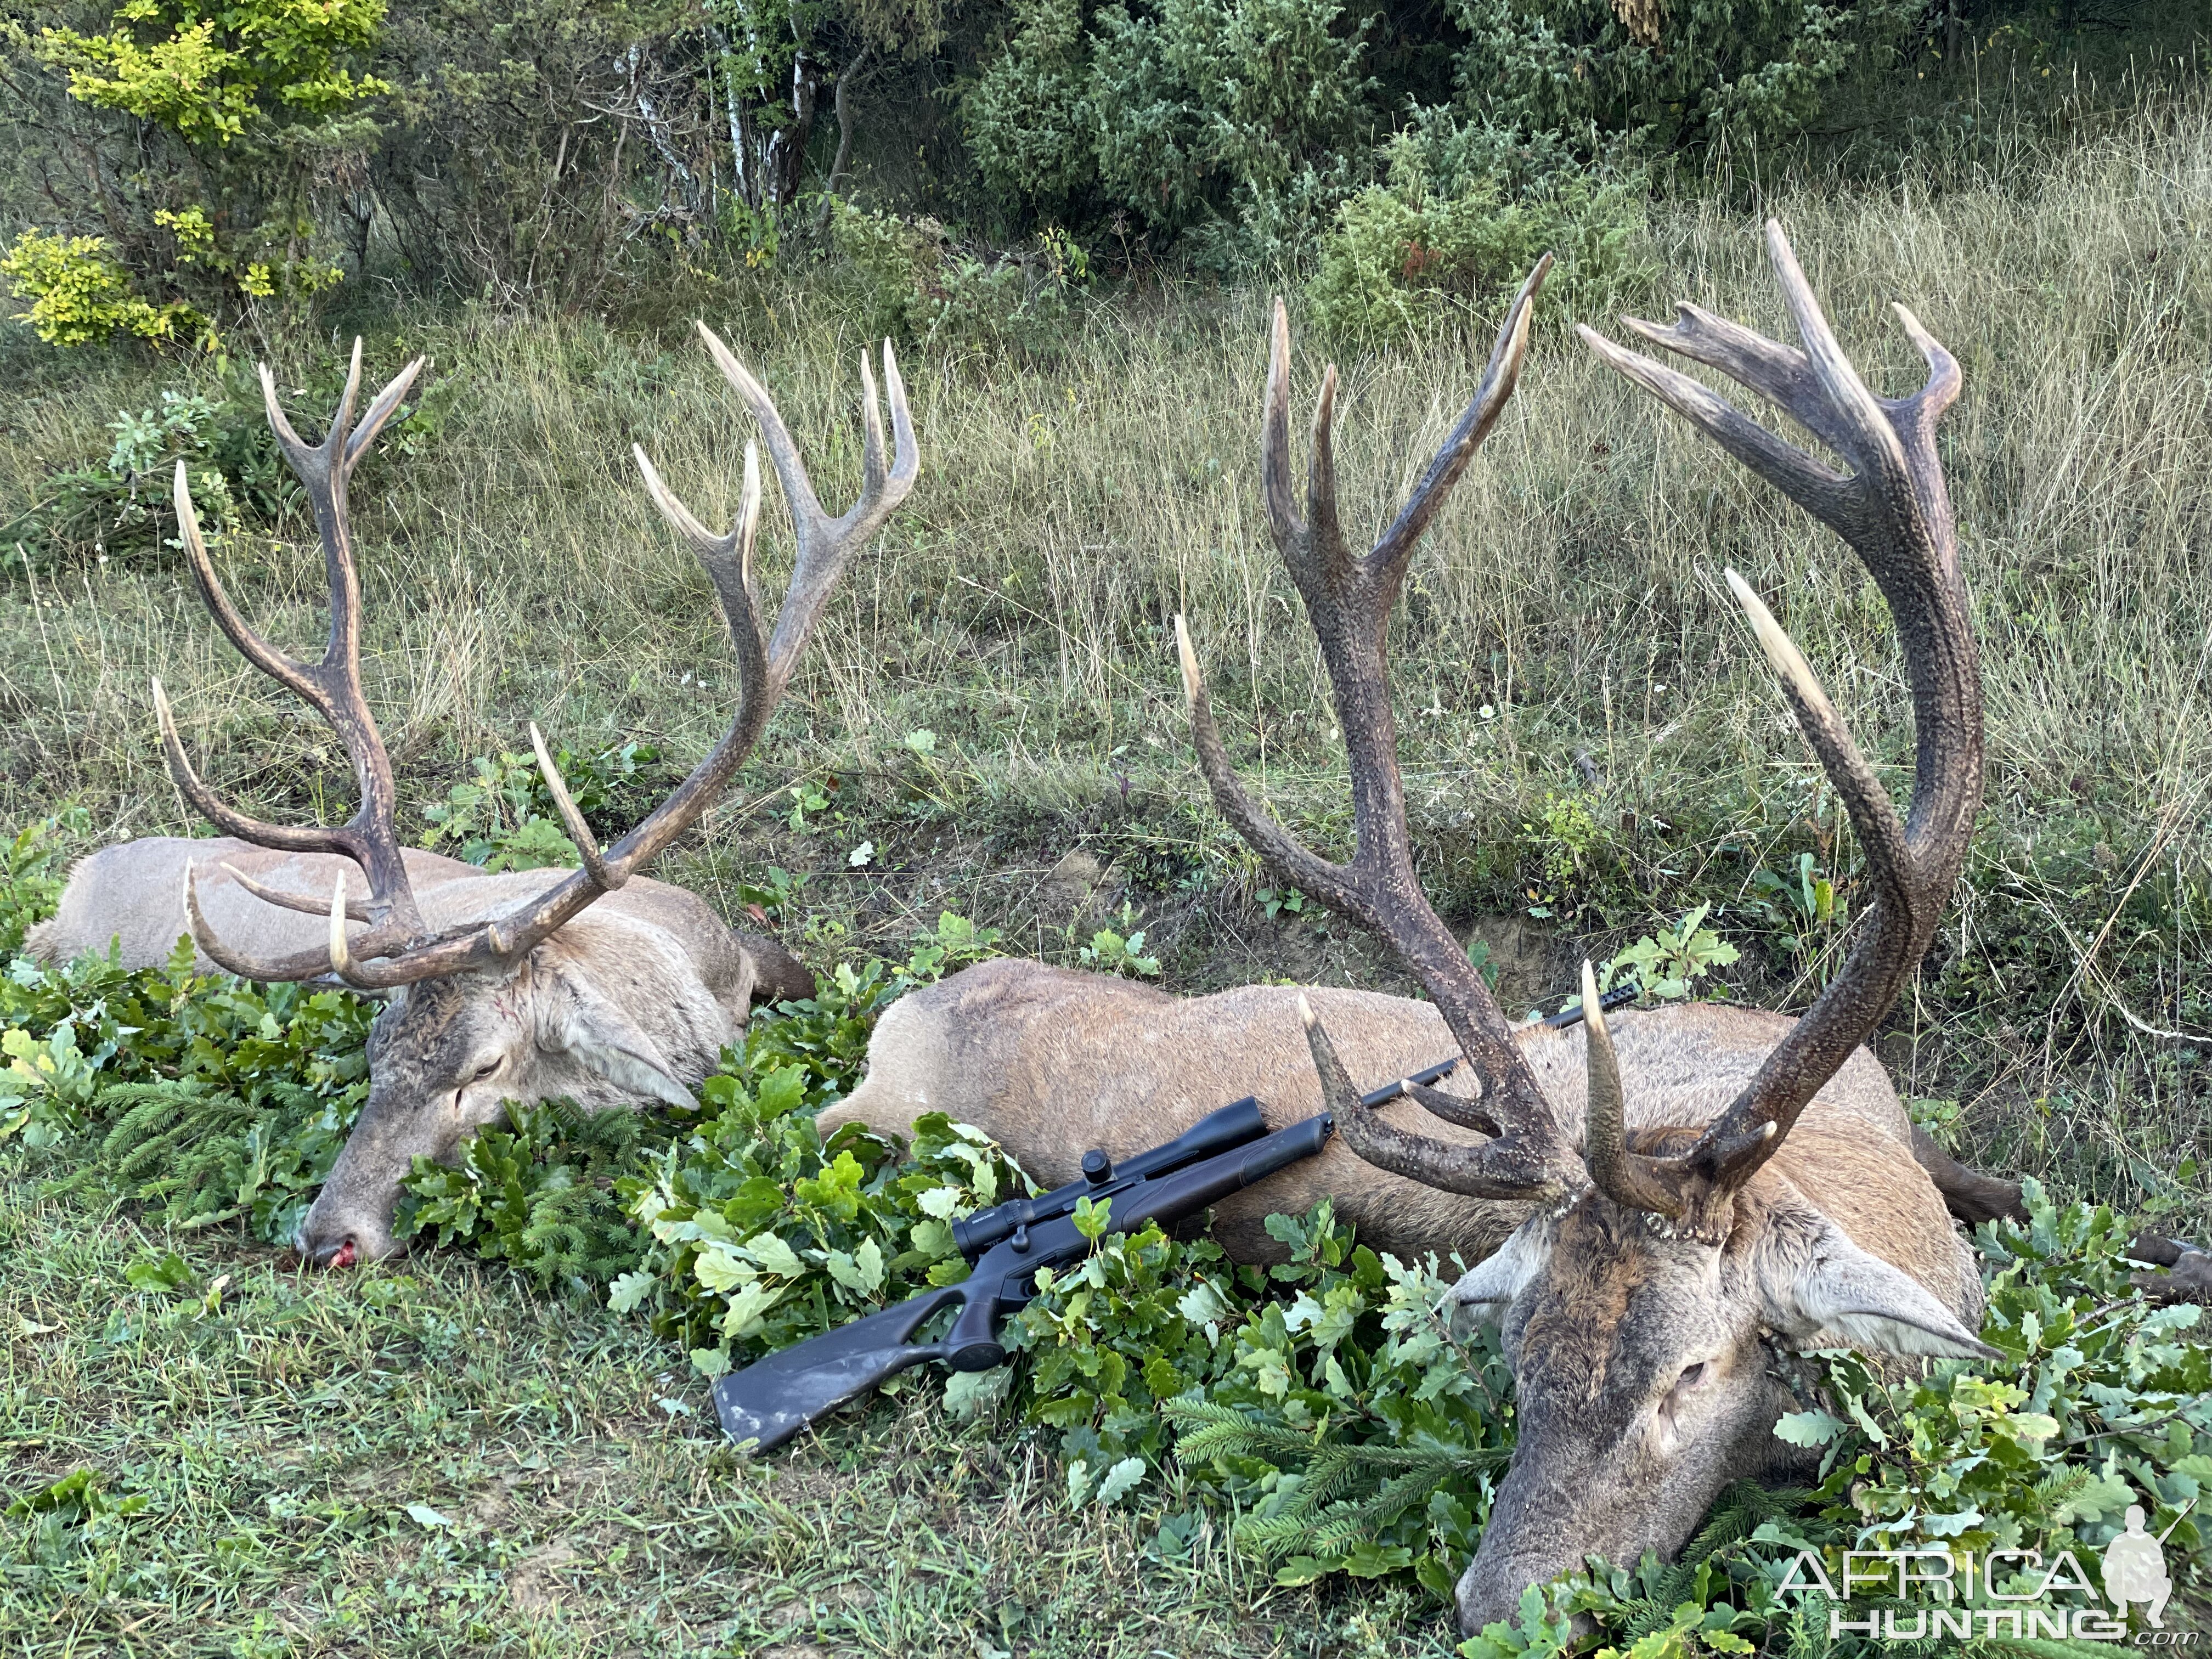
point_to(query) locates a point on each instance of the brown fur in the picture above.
(1646, 1381)
(635, 999)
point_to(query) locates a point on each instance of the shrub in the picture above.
(1466, 211)
(502, 172)
(212, 190)
(1177, 112)
(1749, 69)
(1027, 118)
(909, 278)
(80, 296)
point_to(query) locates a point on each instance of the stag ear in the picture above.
(1482, 1296)
(575, 1018)
(1850, 1293)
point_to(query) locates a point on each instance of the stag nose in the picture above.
(341, 1252)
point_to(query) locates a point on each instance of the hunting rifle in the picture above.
(1224, 1151)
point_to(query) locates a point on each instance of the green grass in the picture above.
(575, 1495)
(1017, 609)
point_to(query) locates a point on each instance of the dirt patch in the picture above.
(531, 1584)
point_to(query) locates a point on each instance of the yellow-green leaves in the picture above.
(212, 73)
(80, 296)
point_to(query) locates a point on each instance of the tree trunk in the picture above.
(844, 138)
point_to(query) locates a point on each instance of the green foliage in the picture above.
(1753, 70)
(1566, 844)
(241, 114)
(1466, 211)
(502, 175)
(32, 876)
(1667, 965)
(762, 1236)
(505, 818)
(122, 504)
(1333, 1421)
(2110, 1404)
(912, 278)
(538, 1194)
(1173, 113)
(1112, 952)
(1802, 907)
(208, 73)
(1027, 118)
(80, 294)
(206, 1099)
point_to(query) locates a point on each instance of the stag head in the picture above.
(1648, 1304)
(504, 996)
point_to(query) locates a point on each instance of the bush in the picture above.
(1178, 112)
(1466, 211)
(211, 183)
(80, 296)
(515, 139)
(910, 278)
(1671, 78)
(122, 504)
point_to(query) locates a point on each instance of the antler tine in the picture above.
(288, 671)
(825, 545)
(289, 838)
(587, 844)
(1276, 847)
(1893, 510)
(299, 965)
(1500, 1169)
(341, 422)
(379, 410)
(355, 911)
(293, 446)
(1500, 376)
(1348, 602)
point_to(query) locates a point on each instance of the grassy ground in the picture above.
(1588, 735)
(433, 1462)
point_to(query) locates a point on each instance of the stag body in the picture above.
(1712, 1186)
(1053, 1062)
(593, 983)
(632, 1000)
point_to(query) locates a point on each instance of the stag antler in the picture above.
(1893, 511)
(1348, 600)
(397, 950)
(332, 687)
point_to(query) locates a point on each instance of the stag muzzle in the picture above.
(1552, 1511)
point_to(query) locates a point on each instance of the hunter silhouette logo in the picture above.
(2135, 1566)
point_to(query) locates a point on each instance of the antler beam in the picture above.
(1348, 600)
(1893, 511)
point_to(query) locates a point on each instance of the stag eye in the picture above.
(1691, 1375)
(486, 1069)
